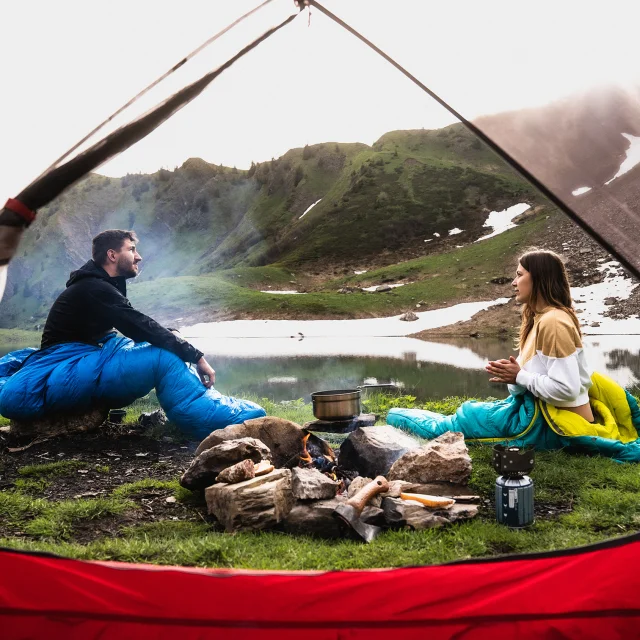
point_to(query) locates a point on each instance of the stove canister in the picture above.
(514, 501)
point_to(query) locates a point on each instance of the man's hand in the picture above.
(206, 373)
(505, 371)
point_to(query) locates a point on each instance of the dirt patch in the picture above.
(103, 462)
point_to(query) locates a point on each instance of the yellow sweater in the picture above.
(552, 360)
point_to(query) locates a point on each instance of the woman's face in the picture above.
(522, 285)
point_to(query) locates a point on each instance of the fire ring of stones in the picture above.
(271, 473)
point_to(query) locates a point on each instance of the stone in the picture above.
(408, 317)
(208, 464)
(396, 487)
(444, 459)
(311, 484)
(244, 470)
(500, 280)
(594, 324)
(373, 515)
(372, 450)
(315, 519)
(357, 484)
(611, 300)
(252, 505)
(283, 437)
(58, 425)
(385, 288)
(154, 420)
(413, 515)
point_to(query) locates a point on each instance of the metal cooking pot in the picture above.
(336, 405)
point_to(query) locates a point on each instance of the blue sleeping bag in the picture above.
(75, 377)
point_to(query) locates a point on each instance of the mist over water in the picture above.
(259, 367)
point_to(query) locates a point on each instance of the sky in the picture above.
(67, 65)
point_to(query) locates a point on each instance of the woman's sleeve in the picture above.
(516, 389)
(557, 350)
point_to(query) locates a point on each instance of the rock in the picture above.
(252, 505)
(208, 464)
(283, 437)
(475, 334)
(238, 472)
(357, 484)
(59, 425)
(154, 420)
(444, 459)
(409, 316)
(396, 487)
(411, 514)
(373, 515)
(372, 450)
(384, 288)
(611, 300)
(315, 519)
(310, 484)
(584, 251)
(500, 280)
(594, 324)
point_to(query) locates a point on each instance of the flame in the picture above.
(304, 456)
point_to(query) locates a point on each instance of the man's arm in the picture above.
(138, 326)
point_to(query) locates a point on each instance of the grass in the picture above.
(17, 338)
(602, 499)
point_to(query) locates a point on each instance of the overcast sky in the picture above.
(68, 64)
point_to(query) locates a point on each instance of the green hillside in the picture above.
(376, 206)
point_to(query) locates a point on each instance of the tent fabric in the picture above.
(587, 593)
(75, 377)
(525, 420)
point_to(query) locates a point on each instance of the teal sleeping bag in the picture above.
(75, 377)
(526, 420)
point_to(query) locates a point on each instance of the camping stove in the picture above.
(514, 489)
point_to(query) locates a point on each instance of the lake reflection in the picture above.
(288, 368)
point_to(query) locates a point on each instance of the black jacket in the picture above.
(93, 304)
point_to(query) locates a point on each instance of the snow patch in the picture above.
(309, 209)
(393, 286)
(580, 191)
(455, 231)
(359, 273)
(500, 221)
(591, 300)
(286, 293)
(362, 328)
(632, 159)
(436, 234)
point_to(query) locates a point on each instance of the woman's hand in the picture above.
(505, 371)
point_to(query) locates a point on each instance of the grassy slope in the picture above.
(604, 498)
(202, 218)
(437, 279)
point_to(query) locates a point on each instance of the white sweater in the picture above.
(553, 365)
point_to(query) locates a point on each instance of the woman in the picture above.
(551, 363)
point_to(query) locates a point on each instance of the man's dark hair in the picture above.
(110, 239)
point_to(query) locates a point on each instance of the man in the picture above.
(95, 302)
(84, 365)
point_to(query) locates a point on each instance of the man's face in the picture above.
(128, 259)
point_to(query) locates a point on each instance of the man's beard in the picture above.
(127, 271)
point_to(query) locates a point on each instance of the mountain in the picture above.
(319, 211)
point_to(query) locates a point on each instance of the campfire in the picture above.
(273, 473)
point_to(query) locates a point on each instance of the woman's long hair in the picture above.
(550, 284)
